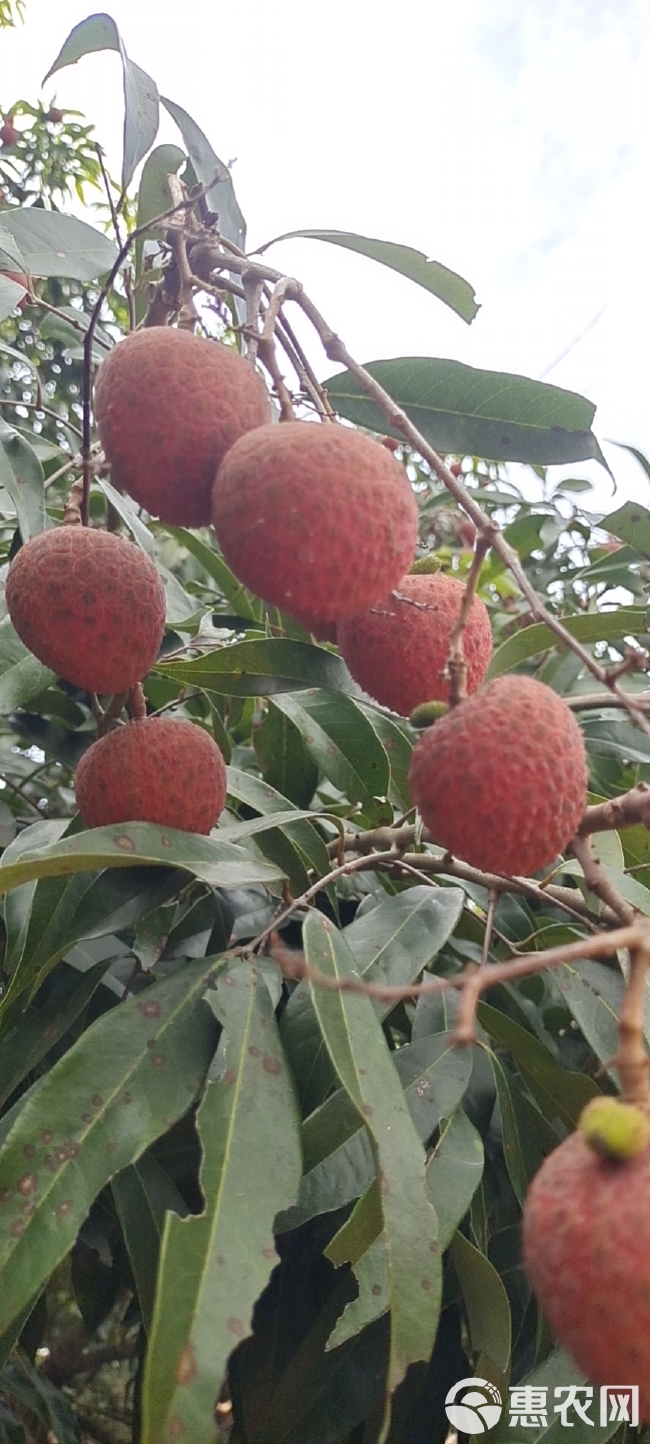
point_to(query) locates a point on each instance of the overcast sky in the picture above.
(509, 139)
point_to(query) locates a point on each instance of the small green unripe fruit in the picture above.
(427, 713)
(614, 1129)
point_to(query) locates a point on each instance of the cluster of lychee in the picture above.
(319, 520)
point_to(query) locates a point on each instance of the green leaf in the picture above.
(398, 747)
(41, 1028)
(261, 669)
(57, 245)
(143, 1194)
(43, 921)
(443, 283)
(560, 1092)
(213, 563)
(154, 194)
(392, 943)
(21, 474)
(557, 1371)
(99, 32)
(220, 864)
(477, 413)
(11, 293)
(486, 1301)
(214, 1267)
(358, 1050)
(11, 258)
(283, 758)
(593, 994)
(521, 1149)
(631, 524)
(373, 1278)
(126, 1080)
(302, 847)
(593, 627)
(211, 172)
(454, 1172)
(22, 676)
(343, 744)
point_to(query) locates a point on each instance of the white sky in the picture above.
(509, 139)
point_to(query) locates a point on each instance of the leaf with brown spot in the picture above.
(215, 1265)
(112, 1055)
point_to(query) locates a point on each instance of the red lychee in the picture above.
(8, 133)
(168, 405)
(154, 770)
(398, 649)
(20, 279)
(88, 604)
(501, 780)
(317, 519)
(586, 1245)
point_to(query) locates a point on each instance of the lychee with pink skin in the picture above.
(501, 780)
(398, 650)
(168, 406)
(158, 770)
(586, 1247)
(316, 519)
(88, 604)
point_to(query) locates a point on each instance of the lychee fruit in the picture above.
(8, 133)
(89, 604)
(154, 770)
(19, 279)
(586, 1247)
(501, 780)
(398, 649)
(317, 519)
(168, 405)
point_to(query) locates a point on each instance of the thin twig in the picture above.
(631, 1059)
(598, 882)
(46, 410)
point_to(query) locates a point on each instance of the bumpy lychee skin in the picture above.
(155, 770)
(88, 604)
(168, 405)
(397, 650)
(501, 780)
(316, 519)
(586, 1245)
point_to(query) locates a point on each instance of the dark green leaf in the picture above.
(220, 864)
(211, 172)
(454, 1173)
(99, 32)
(557, 1371)
(41, 1028)
(124, 1082)
(154, 194)
(477, 413)
(58, 245)
(486, 1301)
(342, 743)
(358, 1050)
(21, 474)
(631, 524)
(22, 676)
(144, 1194)
(392, 943)
(213, 1267)
(594, 1001)
(593, 627)
(559, 1092)
(521, 1149)
(283, 758)
(443, 283)
(261, 669)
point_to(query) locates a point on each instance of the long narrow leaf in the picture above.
(213, 1267)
